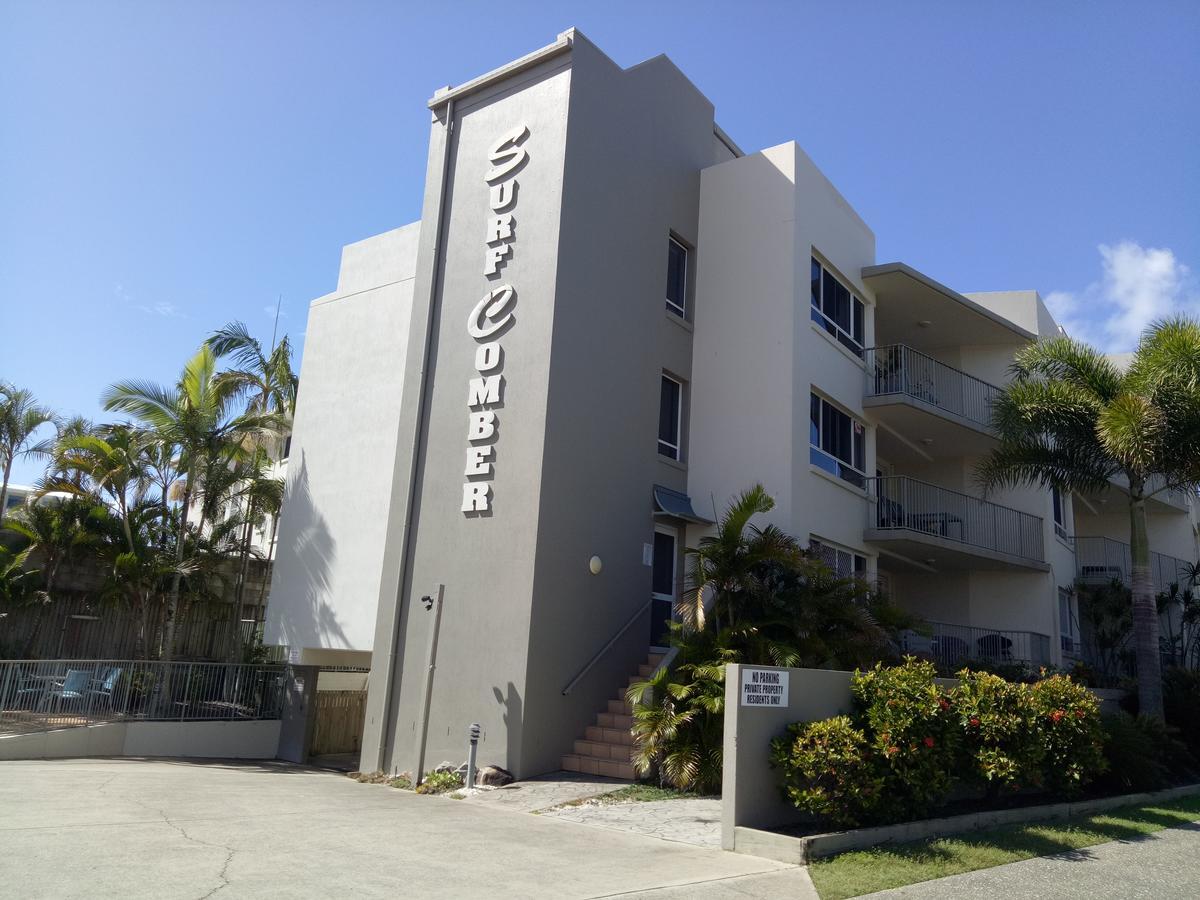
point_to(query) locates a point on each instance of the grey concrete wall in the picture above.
(485, 561)
(325, 584)
(750, 792)
(636, 142)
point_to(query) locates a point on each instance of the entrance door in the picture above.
(662, 585)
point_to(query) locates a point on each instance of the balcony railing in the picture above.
(952, 646)
(37, 695)
(905, 504)
(1100, 560)
(901, 370)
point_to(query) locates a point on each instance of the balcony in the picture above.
(954, 646)
(924, 402)
(1100, 560)
(935, 526)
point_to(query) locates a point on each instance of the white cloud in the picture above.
(164, 309)
(1138, 285)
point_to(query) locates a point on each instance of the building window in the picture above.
(1060, 513)
(836, 309)
(1067, 622)
(677, 263)
(842, 562)
(670, 412)
(838, 442)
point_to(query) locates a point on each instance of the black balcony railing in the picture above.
(901, 370)
(905, 504)
(1101, 560)
(960, 645)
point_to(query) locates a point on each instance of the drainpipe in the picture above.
(388, 673)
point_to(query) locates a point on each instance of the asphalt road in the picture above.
(1161, 866)
(167, 829)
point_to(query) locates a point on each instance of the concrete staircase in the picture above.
(607, 746)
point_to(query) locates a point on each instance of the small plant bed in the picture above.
(634, 793)
(403, 782)
(877, 869)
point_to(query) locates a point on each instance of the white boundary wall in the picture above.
(222, 740)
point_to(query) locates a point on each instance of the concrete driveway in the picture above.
(157, 828)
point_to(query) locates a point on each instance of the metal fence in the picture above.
(1101, 560)
(37, 695)
(905, 504)
(957, 645)
(898, 369)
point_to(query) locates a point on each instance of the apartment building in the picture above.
(517, 412)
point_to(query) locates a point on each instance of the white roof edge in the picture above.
(444, 95)
(949, 293)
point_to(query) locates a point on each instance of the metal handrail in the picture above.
(906, 504)
(603, 650)
(1100, 555)
(899, 369)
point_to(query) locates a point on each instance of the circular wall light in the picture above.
(595, 564)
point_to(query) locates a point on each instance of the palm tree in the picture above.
(199, 418)
(20, 418)
(1070, 419)
(728, 567)
(52, 532)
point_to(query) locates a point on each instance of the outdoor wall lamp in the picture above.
(595, 564)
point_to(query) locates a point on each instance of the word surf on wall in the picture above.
(490, 318)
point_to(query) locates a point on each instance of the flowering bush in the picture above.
(999, 729)
(898, 755)
(829, 770)
(911, 731)
(1070, 732)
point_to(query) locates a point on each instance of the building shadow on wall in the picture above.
(309, 557)
(510, 701)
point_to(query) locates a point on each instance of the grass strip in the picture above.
(880, 868)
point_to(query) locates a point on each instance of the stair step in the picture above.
(645, 670)
(590, 765)
(614, 720)
(655, 658)
(621, 753)
(620, 707)
(616, 736)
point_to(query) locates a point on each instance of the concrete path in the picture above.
(152, 829)
(545, 791)
(687, 821)
(1161, 866)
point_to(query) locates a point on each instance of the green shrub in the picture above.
(1068, 723)
(829, 770)
(906, 717)
(439, 783)
(999, 731)
(1181, 704)
(1143, 754)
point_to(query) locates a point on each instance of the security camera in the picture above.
(428, 601)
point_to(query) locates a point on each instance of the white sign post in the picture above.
(764, 687)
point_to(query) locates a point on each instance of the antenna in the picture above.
(275, 330)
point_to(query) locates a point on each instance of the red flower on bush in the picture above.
(974, 721)
(943, 704)
(1079, 713)
(928, 742)
(1057, 716)
(892, 751)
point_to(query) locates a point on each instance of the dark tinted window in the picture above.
(668, 418)
(676, 277)
(663, 577)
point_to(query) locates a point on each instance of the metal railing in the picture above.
(898, 369)
(905, 504)
(38, 695)
(1100, 560)
(957, 645)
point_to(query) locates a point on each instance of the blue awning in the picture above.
(679, 506)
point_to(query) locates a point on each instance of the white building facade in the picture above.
(608, 322)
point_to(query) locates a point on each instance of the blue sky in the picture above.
(168, 167)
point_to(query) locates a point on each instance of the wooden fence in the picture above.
(339, 724)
